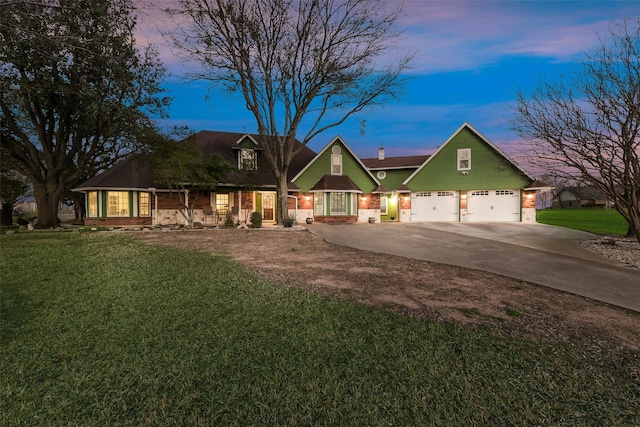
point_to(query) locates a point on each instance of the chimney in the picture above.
(381, 153)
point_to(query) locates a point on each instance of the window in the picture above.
(382, 175)
(464, 159)
(445, 194)
(480, 193)
(504, 192)
(92, 204)
(247, 159)
(145, 204)
(338, 204)
(336, 161)
(424, 194)
(318, 204)
(117, 203)
(222, 204)
(384, 203)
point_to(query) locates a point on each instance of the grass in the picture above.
(598, 221)
(99, 329)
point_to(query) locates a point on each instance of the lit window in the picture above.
(222, 204)
(118, 203)
(247, 159)
(338, 204)
(464, 159)
(92, 204)
(145, 204)
(318, 204)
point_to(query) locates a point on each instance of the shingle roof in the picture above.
(403, 189)
(395, 162)
(129, 173)
(133, 172)
(379, 189)
(336, 183)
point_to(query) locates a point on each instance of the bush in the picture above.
(228, 221)
(256, 220)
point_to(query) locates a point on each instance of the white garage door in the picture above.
(493, 205)
(435, 206)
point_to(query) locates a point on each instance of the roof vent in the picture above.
(381, 153)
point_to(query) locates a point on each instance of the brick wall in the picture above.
(118, 222)
(337, 219)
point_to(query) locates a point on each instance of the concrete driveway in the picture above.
(537, 253)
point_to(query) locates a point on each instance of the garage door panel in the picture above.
(493, 205)
(436, 206)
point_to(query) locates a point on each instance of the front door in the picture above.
(268, 202)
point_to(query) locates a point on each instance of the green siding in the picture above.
(351, 167)
(394, 178)
(489, 169)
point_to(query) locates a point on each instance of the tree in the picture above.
(184, 170)
(311, 63)
(14, 188)
(74, 91)
(587, 126)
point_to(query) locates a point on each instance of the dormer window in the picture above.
(247, 159)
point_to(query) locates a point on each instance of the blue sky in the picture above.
(471, 58)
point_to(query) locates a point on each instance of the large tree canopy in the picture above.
(586, 127)
(75, 91)
(316, 62)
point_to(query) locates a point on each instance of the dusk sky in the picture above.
(471, 58)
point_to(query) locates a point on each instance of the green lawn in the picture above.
(99, 329)
(599, 221)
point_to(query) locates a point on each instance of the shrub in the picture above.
(228, 221)
(256, 220)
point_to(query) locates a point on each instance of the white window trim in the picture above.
(123, 212)
(332, 207)
(384, 207)
(252, 160)
(318, 209)
(336, 160)
(464, 154)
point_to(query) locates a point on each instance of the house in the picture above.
(468, 178)
(127, 195)
(579, 197)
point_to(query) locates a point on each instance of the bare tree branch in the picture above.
(297, 63)
(587, 126)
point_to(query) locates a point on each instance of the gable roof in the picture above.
(131, 173)
(134, 173)
(335, 183)
(485, 140)
(584, 193)
(326, 147)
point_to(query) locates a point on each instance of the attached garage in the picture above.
(439, 206)
(493, 205)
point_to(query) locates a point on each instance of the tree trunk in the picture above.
(7, 214)
(79, 209)
(634, 224)
(283, 201)
(47, 203)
